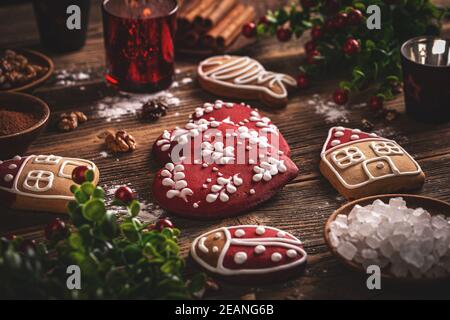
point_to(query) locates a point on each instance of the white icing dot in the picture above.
(240, 257)
(338, 134)
(239, 233)
(12, 166)
(354, 137)
(205, 165)
(195, 205)
(8, 178)
(215, 169)
(335, 142)
(260, 230)
(276, 257)
(208, 180)
(217, 236)
(380, 165)
(291, 253)
(259, 249)
(356, 131)
(252, 191)
(215, 249)
(373, 135)
(281, 234)
(205, 186)
(340, 128)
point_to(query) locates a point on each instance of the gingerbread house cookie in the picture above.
(231, 158)
(244, 78)
(360, 164)
(249, 253)
(39, 183)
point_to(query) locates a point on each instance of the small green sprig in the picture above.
(118, 260)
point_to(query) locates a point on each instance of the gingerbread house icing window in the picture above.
(386, 148)
(347, 157)
(65, 171)
(51, 159)
(39, 180)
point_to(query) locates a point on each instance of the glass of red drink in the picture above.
(139, 42)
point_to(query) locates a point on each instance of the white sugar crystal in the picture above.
(347, 250)
(408, 241)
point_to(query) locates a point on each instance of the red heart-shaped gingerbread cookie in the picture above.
(226, 160)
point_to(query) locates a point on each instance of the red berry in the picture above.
(55, 230)
(27, 244)
(303, 81)
(124, 194)
(316, 32)
(79, 174)
(351, 46)
(284, 34)
(310, 46)
(340, 20)
(375, 103)
(310, 59)
(355, 17)
(306, 4)
(264, 20)
(163, 223)
(249, 30)
(340, 96)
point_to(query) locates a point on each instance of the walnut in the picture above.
(153, 110)
(121, 141)
(367, 125)
(70, 121)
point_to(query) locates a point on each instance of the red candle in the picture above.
(139, 42)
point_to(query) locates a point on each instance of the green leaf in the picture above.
(76, 242)
(72, 206)
(80, 196)
(94, 210)
(360, 6)
(99, 193)
(90, 175)
(88, 188)
(74, 188)
(109, 225)
(135, 208)
(197, 282)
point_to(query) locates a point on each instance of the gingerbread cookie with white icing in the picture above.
(249, 253)
(360, 164)
(244, 78)
(226, 160)
(39, 183)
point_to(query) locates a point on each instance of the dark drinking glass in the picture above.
(139, 43)
(426, 77)
(52, 16)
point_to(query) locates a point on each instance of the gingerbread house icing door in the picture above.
(380, 168)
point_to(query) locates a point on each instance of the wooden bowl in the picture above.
(18, 143)
(433, 206)
(40, 59)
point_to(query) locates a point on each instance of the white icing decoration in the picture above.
(215, 249)
(244, 73)
(239, 233)
(36, 178)
(260, 249)
(75, 163)
(380, 165)
(338, 134)
(356, 131)
(240, 257)
(8, 177)
(291, 253)
(276, 257)
(335, 142)
(217, 153)
(224, 188)
(195, 205)
(260, 230)
(347, 157)
(174, 178)
(354, 137)
(339, 128)
(378, 144)
(281, 234)
(217, 236)
(267, 169)
(252, 191)
(382, 148)
(202, 246)
(44, 159)
(17, 158)
(282, 243)
(12, 166)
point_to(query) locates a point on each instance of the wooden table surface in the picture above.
(301, 208)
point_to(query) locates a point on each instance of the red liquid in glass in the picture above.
(139, 43)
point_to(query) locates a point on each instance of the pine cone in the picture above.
(153, 110)
(121, 141)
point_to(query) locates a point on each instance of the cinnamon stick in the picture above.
(198, 8)
(184, 15)
(234, 29)
(230, 18)
(202, 15)
(219, 12)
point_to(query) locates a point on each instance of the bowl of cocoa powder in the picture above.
(22, 118)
